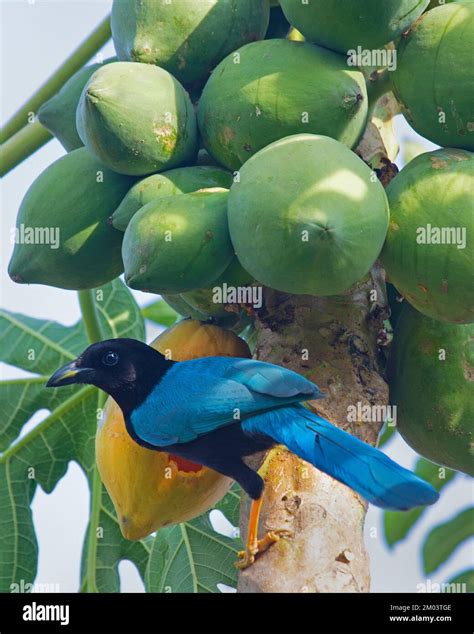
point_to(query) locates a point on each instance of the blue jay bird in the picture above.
(217, 410)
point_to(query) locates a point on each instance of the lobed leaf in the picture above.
(42, 456)
(192, 557)
(443, 539)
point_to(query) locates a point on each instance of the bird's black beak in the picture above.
(69, 374)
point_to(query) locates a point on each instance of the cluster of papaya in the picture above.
(220, 148)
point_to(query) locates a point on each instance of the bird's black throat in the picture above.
(132, 389)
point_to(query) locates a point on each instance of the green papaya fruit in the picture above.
(182, 307)
(182, 180)
(307, 216)
(433, 81)
(64, 237)
(342, 26)
(271, 89)
(223, 315)
(430, 372)
(58, 114)
(429, 251)
(200, 304)
(187, 38)
(137, 119)
(178, 243)
(234, 275)
(211, 301)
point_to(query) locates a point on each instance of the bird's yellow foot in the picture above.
(247, 556)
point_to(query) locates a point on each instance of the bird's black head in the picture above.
(126, 369)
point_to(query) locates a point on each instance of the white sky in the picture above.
(37, 35)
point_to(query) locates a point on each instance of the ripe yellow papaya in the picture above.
(152, 489)
(192, 339)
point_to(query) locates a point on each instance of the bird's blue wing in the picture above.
(272, 380)
(199, 396)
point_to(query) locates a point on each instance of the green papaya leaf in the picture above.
(192, 557)
(20, 399)
(41, 456)
(161, 313)
(397, 524)
(35, 346)
(230, 505)
(443, 539)
(464, 580)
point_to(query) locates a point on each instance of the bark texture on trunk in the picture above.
(334, 342)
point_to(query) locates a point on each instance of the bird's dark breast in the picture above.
(226, 444)
(220, 446)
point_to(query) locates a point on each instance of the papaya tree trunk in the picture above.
(333, 341)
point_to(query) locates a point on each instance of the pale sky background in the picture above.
(37, 35)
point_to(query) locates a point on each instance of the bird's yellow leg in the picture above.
(253, 544)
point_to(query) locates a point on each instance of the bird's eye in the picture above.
(110, 358)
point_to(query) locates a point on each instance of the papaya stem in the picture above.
(89, 316)
(93, 43)
(378, 84)
(96, 497)
(21, 145)
(94, 334)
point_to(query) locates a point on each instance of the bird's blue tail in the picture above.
(365, 469)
